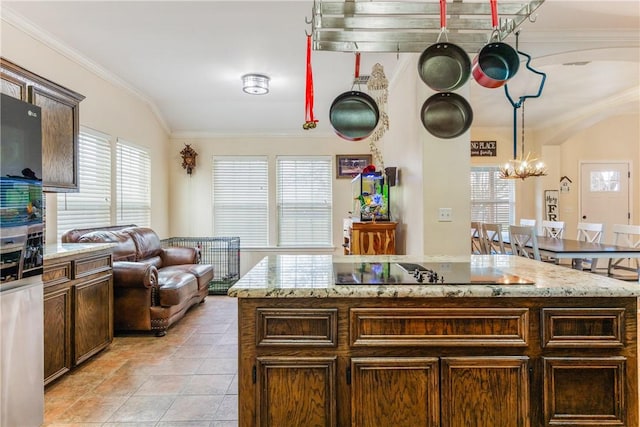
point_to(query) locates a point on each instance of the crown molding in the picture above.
(23, 24)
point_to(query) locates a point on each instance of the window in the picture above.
(91, 206)
(241, 199)
(492, 198)
(304, 201)
(133, 204)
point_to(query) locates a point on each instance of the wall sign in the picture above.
(484, 149)
(565, 184)
(551, 205)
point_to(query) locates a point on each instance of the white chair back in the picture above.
(590, 232)
(553, 229)
(492, 237)
(628, 236)
(524, 241)
(477, 242)
(528, 222)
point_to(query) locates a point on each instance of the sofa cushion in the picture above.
(125, 249)
(147, 242)
(176, 287)
(203, 272)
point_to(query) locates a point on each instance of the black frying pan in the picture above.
(445, 66)
(446, 115)
(354, 115)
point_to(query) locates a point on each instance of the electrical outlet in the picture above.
(445, 214)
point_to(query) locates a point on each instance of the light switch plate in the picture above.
(445, 214)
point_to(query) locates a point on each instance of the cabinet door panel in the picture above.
(59, 141)
(584, 391)
(485, 391)
(57, 334)
(93, 318)
(399, 392)
(291, 389)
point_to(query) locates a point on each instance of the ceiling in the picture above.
(185, 58)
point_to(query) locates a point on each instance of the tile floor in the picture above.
(187, 378)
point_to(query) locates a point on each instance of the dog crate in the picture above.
(221, 252)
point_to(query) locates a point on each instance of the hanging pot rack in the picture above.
(406, 26)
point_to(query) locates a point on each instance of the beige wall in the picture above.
(107, 108)
(191, 195)
(616, 139)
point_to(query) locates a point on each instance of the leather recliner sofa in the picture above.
(153, 286)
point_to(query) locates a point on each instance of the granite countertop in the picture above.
(311, 276)
(59, 250)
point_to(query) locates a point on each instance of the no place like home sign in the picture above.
(483, 149)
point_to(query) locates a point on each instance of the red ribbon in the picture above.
(494, 13)
(310, 121)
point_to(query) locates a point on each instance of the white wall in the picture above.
(107, 108)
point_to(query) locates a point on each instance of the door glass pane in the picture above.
(605, 181)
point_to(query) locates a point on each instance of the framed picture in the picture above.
(350, 165)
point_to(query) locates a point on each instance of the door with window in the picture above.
(604, 195)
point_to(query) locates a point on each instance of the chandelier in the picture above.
(526, 166)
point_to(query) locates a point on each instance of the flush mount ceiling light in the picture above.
(255, 84)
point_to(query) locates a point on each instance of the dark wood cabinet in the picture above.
(57, 333)
(60, 123)
(78, 309)
(281, 378)
(438, 362)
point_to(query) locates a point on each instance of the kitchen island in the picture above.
(541, 345)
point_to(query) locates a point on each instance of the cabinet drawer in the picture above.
(55, 274)
(487, 327)
(582, 327)
(297, 327)
(87, 266)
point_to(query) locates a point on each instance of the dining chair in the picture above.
(554, 230)
(589, 232)
(629, 236)
(528, 222)
(492, 238)
(524, 241)
(477, 243)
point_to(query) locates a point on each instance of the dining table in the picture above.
(578, 250)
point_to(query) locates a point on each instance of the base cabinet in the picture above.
(57, 333)
(439, 362)
(281, 378)
(78, 310)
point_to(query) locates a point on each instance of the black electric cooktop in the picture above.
(398, 273)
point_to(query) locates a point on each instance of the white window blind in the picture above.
(304, 201)
(133, 205)
(492, 198)
(91, 206)
(241, 199)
